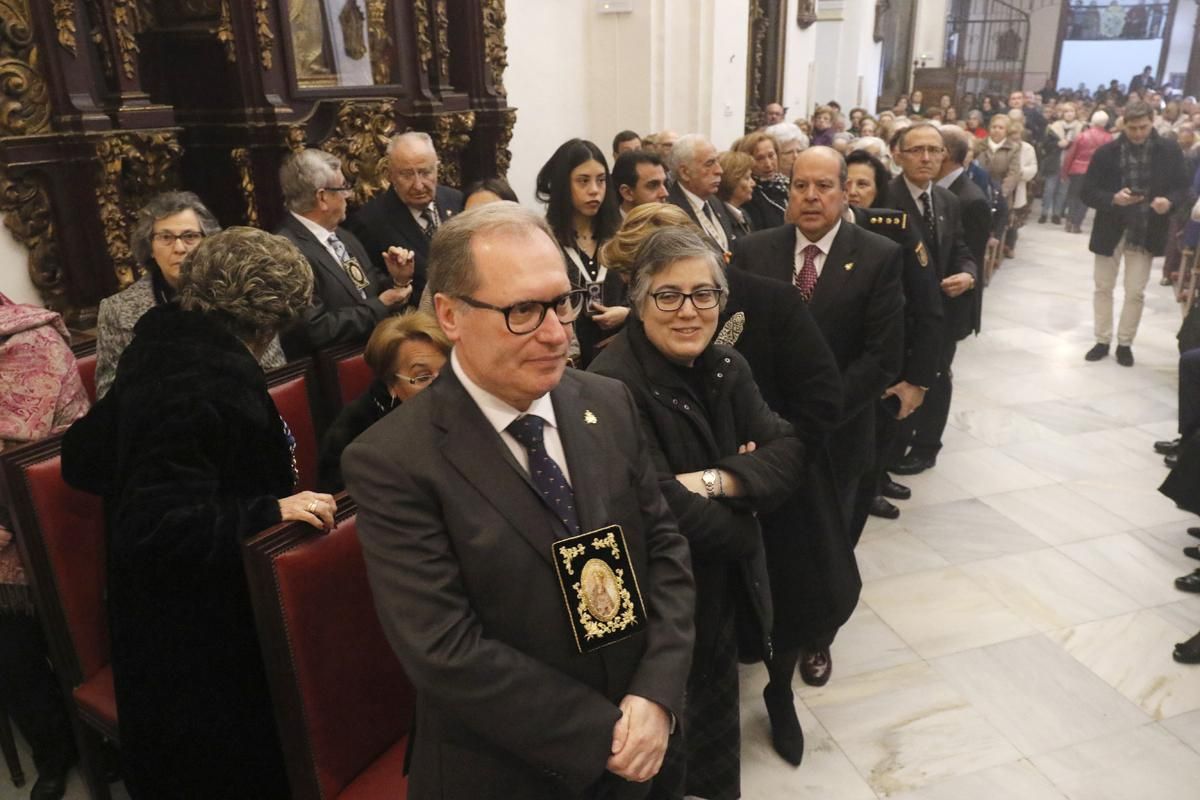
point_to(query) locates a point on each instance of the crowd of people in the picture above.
(699, 370)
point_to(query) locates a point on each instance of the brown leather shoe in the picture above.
(816, 667)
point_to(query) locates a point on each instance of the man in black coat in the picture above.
(920, 151)
(1133, 182)
(350, 294)
(408, 214)
(697, 173)
(519, 694)
(851, 280)
(974, 204)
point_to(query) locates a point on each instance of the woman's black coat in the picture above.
(688, 434)
(354, 418)
(190, 455)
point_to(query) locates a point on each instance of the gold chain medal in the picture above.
(355, 271)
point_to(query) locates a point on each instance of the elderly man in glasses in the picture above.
(350, 295)
(409, 214)
(525, 567)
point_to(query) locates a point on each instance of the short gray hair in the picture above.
(163, 205)
(957, 142)
(451, 258)
(253, 282)
(1100, 119)
(302, 174)
(409, 137)
(684, 151)
(784, 132)
(663, 248)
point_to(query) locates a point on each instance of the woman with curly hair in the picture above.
(769, 201)
(191, 457)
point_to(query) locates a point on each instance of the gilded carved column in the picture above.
(451, 135)
(359, 138)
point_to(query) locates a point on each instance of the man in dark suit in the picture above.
(410, 212)
(697, 173)
(463, 494)
(920, 151)
(974, 204)
(851, 281)
(1133, 182)
(350, 295)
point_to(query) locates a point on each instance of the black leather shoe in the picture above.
(880, 507)
(1098, 352)
(1188, 652)
(1194, 532)
(49, 787)
(1192, 552)
(1167, 447)
(1189, 583)
(894, 491)
(816, 667)
(1171, 461)
(912, 465)
(1124, 355)
(786, 734)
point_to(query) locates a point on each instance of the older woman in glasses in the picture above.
(723, 457)
(405, 353)
(165, 230)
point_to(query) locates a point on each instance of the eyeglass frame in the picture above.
(348, 186)
(424, 173)
(687, 297)
(417, 380)
(546, 305)
(175, 237)
(924, 149)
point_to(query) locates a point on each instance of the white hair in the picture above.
(409, 137)
(1100, 119)
(302, 174)
(784, 132)
(685, 148)
(872, 144)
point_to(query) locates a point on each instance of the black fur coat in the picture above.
(190, 455)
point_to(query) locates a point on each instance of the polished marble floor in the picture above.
(1014, 636)
(1013, 641)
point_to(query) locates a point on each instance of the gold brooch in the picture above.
(848, 266)
(589, 417)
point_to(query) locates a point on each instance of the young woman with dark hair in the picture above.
(583, 212)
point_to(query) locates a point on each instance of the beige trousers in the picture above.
(1137, 274)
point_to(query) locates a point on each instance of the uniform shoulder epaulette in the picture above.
(887, 218)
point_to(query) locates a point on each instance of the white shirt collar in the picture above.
(315, 229)
(950, 177)
(417, 212)
(500, 414)
(697, 204)
(916, 191)
(823, 244)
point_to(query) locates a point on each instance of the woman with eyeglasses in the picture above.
(165, 230)
(723, 457)
(584, 214)
(405, 353)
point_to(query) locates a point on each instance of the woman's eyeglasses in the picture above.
(168, 239)
(702, 299)
(418, 380)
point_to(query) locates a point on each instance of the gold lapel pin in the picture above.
(849, 266)
(589, 417)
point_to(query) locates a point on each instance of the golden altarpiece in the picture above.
(105, 102)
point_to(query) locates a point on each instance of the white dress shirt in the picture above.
(711, 225)
(417, 212)
(916, 191)
(500, 415)
(322, 235)
(823, 244)
(950, 177)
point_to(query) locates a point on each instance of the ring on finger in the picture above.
(312, 507)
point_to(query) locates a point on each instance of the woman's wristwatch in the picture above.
(711, 478)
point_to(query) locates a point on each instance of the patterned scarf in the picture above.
(1135, 174)
(775, 189)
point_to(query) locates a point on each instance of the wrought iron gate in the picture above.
(986, 43)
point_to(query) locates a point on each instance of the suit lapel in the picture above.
(316, 252)
(782, 258)
(474, 448)
(581, 432)
(834, 275)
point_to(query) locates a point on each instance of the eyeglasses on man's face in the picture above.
(168, 239)
(527, 316)
(672, 300)
(348, 186)
(932, 151)
(424, 173)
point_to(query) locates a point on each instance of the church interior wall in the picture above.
(835, 58)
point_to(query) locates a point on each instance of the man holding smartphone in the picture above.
(1133, 183)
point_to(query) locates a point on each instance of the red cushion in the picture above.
(292, 402)
(87, 373)
(354, 376)
(383, 780)
(97, 700)
(71, 525)
(357, 700)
